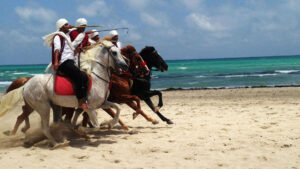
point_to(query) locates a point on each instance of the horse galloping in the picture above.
(141, 86)
(39, 91)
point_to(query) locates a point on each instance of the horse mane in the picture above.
(87, 57)
(127, 50)
(146, 51)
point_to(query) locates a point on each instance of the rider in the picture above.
(63, 61)
(115, 38)
(78, 37)
(94, 37)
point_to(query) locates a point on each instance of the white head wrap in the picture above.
(113, 33)
(81, 21)
(60, 23)
(93, 34)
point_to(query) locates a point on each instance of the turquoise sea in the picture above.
(201, 73)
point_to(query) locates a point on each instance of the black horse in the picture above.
(141, 86)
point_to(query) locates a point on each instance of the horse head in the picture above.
(137, 66)
(153, 59)
(105, 54)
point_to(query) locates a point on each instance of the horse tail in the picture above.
(17, 83)
(9, 100)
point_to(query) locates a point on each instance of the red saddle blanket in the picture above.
(63, 86)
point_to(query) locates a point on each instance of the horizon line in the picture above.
(246, 57)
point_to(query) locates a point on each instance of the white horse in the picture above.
(39, 91)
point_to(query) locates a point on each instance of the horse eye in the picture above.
(114, 52)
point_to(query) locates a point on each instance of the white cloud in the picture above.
(22, 37)
(96, 8)
(36, 14)
(37, 19)
(138, 4)
(192, 4)
(204, 23)
(150, 20)
(134, 36)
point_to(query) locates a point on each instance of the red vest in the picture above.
(85, 40)
(62, 46)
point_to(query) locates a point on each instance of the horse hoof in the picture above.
(58, 145)
(28, 144)
(169, 122)
(8, 133)
(24, 130)
(155, 122)
(134, 115)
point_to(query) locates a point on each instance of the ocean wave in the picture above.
(20, 73)
(5, 83)
(251, 75)
(154, 76)
(287, 71)
(33, 74)
(182, 68)
(200, 76)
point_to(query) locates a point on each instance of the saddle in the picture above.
(63, 85)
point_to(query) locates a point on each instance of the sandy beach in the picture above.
(224, 128)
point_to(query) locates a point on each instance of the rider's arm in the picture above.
(57, 47)
(78, 40)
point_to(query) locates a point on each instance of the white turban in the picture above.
(93, 34)
(113, 33)
(81, 22)
(60, 23)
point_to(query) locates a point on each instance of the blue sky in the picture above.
(178, 29)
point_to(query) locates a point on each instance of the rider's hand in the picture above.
(77, 50)
(55, 66)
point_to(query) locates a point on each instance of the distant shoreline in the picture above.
(220, 88)
(216, 88)
(191, 59)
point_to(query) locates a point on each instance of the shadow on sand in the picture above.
(62, 132)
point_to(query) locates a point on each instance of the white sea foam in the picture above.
(287, 71)
(182, 68)
(33, 74)
(253, 75)
(20, 73)
(200, 76)
(5, 83)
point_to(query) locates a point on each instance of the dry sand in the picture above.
(225, 128)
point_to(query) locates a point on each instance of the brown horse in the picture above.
(121, 85)
(27, 110)
(120, 92)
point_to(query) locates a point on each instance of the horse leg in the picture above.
(163, 118)
(139, 111)
(26, 108)
(24, 116)
(77, 113)
(153, 93)
(106, 105)
(129, 99)
(86, 120)
(113, 114)
(57, 112)
(160, 102)
(45, 117)
(68, 111)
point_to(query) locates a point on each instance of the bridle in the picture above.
(106, 67)
(137, 64)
